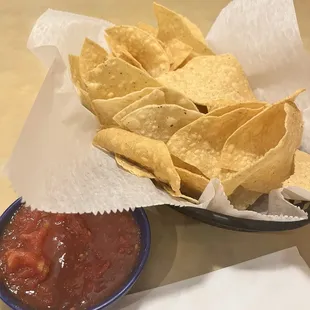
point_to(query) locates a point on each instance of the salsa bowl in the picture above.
(143, 226)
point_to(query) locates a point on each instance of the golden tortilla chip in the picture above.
(292, 98)
(125, 55)
(158, 122)
(153, 31)
(92, 55)
(74, 63)
(301, 175)
(133, 168)
(228, 108)
(121, 52)
(106, 109)
(200, 143)
(166, 49)
(148, 28)
(179, 51)
(178, 194)
(231, 180)
(174, 97)
(208, 80)
(85, 99)
(242, 198)
(263, 148)
(156, 97)
(175, 26)
(117, 78)
(220, 106)
(188, 59)
(192, 184)
(178, 163)
(143, 47)
(146, 152)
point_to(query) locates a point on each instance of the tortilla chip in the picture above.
(242, 198)
(179, 194)
(105, 109)
(301, 175)
(156, 97)
(228, 105)
(174, 97)
(200, 143)
(219, 104)
(175, 26)
(167, 52)
(85, 99)
(188, 58)
(192, 184)
(210, 80)
(158, 122)
(179, 51)
(125, 55)
(143, 47)
(178, 163)
(92, 55)
(231, 180)
(242, 150)
(292, 98)
(148, 28)
(146, 152)
(74, 63)
(121, 52)
(117, 78)
(228, 108)
(133, 168)
(263, 148)
(153, 31)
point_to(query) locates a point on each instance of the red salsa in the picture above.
(67, 261)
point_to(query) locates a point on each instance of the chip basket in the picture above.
(239, 224)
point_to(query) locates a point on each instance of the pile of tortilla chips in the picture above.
(172, 111)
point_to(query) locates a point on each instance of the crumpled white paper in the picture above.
(54, 165)
(276, 281)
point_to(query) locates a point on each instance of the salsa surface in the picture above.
(67, 261)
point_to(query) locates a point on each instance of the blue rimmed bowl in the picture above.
(139, 215)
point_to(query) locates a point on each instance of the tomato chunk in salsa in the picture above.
(67, 261)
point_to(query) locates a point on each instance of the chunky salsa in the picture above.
(67, 261)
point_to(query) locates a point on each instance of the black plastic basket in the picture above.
(239, 224)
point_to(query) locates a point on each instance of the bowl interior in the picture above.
(142, 221)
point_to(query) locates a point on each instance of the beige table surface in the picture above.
(181, 247)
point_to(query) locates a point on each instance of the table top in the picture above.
(181, 247)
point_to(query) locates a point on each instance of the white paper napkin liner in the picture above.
(278, 202)
(275, 281)
(277, 207)
(61, 151)
(67, 32)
